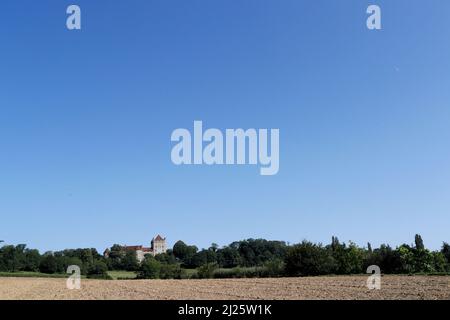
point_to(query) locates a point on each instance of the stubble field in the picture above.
(342, 287)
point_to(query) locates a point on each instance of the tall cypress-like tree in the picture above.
(419, 242)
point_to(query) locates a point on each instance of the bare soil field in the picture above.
(341, 287)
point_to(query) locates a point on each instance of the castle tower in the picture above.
(159, 245)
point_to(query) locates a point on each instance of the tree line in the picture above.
(20, 258)
(247, 258)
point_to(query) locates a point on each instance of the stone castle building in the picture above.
(158, 246)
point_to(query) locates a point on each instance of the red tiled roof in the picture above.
(135, 248)
(159, 238)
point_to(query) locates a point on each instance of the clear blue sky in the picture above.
(86, 119)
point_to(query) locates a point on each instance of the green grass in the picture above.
(122, 274)
(26, 274)
(190, 272)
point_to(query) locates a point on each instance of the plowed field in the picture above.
(345, 287)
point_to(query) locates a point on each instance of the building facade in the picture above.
(158, 245)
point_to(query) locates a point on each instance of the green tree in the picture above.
(203, 257)
(13, 258)
(335, 243)
(214, 246)
(48, 263)
(9, 259)
(184, 253)
(406, 257)
(32, 260)
(308, 259)
(446, 252)
(439, 262)
(423, 261)
(255, 252)
(386, 258)
(419, 242)
(150, 268)
(98, 270)
(228, 257)
(116, 256)
(167, 258)
(130, 261)
(348, 260)
(60, 260)
(73, 261)
(356, 257)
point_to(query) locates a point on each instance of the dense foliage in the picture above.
(19, 258)
(248, 258)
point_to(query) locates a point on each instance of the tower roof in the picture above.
(159, 238)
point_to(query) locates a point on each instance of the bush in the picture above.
(250, 272)
(227, 273)
(171, 271)
(98, 270)
(206, 271)
(273, 268)
(238, 272)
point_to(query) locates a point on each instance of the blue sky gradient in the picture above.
(86, 118)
